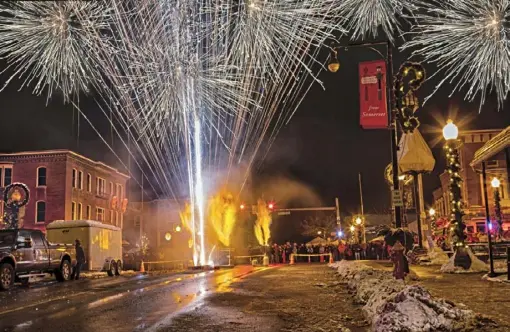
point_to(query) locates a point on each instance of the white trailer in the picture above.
(102, 243)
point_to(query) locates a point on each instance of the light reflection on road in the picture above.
(147, 302)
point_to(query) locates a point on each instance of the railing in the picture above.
(259, 258)
(321, 257)
(167, 265)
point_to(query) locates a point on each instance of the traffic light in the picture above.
(270, 205)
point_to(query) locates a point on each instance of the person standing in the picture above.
(80, 260)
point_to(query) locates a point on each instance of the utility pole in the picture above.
(338, 219)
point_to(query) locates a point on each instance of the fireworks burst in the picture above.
(468, 40)
(364, 18)
(53, 44)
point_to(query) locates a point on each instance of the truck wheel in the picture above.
(113, 268)
(118, 268)
(6, 276)
(64, 273)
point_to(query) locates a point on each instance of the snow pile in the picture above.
(436, 256)
(414, 309)
(390, 305)
(476, 265)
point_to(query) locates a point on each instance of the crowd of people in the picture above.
(281, 254)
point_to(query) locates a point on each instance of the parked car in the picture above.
(26, 253)
(102, 243)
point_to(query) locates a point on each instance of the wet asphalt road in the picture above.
(137, 303)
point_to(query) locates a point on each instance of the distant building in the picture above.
(65, 186)
(472, 185)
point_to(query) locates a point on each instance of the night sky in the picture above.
(323, 147)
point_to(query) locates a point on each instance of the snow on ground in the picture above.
(390, 305)
(476, 265)
(436, 256)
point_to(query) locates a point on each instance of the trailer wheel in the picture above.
(112, 269)
(6, 276)
(118, 268)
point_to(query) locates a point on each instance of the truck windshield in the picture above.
(6, 238)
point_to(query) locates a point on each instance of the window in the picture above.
(100, 214)
(73, 210)
(119, 192)
(80, 180)
(100, 186)
(74, 177)
(37, 240)
(40, 208)
(89, 183)
(7, 176)
(89, 212)
(111, 216)
(116, 218)
(111, 189)
(41, 176)
(79, 214)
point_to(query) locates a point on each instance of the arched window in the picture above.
(40, 211)
(41, 176)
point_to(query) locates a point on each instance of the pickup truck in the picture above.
(25, 253)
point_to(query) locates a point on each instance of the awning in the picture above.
(494, 146)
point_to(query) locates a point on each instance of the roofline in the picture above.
(492, 147)
(478, 131)
(67, 152)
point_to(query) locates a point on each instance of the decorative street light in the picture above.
(358, 221)
(432, 212)
(334, 66)
(451, 134)
(495, 183)
(352, 228)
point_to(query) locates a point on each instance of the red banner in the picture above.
(372, 95)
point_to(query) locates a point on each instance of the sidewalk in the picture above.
(488, 298)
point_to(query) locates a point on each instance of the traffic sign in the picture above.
(396, 197)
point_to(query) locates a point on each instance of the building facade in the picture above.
(472, 185)
(65, 186)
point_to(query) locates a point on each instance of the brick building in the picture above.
(472, 190)
(65, 186)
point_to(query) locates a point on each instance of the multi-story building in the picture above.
(472, 185)
(65, 186)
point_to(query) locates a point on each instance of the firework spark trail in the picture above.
(52, 44)
(199, 82)
(364, 18)
(468, 40)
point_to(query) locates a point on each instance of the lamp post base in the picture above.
(462, 258)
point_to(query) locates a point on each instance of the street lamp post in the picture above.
(451, 133)
(495, 183)
(334, 65)
(488, 224)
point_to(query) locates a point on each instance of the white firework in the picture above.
(53, 44)
(364, 19)
(468, 40)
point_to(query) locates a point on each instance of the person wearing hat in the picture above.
(80, 260)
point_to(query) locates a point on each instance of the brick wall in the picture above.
(59, 192)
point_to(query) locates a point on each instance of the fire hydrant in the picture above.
(398, 259)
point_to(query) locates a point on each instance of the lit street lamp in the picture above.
(358, 221)
(432, 212)
(451, 134)
(352, 228)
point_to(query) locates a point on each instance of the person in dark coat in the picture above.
(80, 260)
